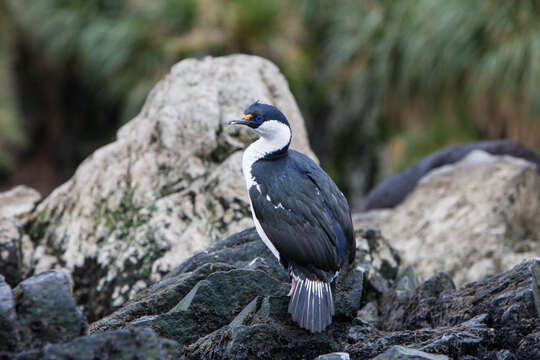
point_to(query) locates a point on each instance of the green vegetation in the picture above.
(426, 73)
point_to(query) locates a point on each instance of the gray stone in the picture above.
(403, 353)
(471, 219)
(348, 293)
(211, 304)
(46, 311)
(334, 356)
(158, 298)
(457, 341)
(506, 298)
(265, 332)
(119, 344)
(18, 201)
(369, 314)
(169, 186)
(8, 334)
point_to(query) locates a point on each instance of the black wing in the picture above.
(302, 212)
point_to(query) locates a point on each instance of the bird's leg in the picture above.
(293, 286)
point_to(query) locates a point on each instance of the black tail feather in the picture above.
(311, 305)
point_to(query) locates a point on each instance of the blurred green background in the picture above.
(381, 83)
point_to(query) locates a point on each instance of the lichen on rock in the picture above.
(169, 186)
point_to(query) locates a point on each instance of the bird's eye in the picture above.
(259, 119)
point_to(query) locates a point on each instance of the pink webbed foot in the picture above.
(293, 286)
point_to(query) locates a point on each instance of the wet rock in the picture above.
(168, 187)
(529, 347)
(264, 330)
(241, 250)
(46, 311)
(119, 344)
(212, 303)
(403, 353)
(348, 294)
(8, 334)
(513, 293)
(455, 342)
(158, 298)
(228, 309)
(475, 218)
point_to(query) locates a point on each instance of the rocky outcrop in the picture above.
(169, 186)
(120, 344)
(472, 219)
(40, 320)
(230, 303)
(46, 311)
(224, 316)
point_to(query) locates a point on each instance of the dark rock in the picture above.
(529, 347)
(509, 296)
(394, 303)
(435, 285)
(264, 330)
(395, 189)
(212, 303)
(348, 293)
(117, 344)
(158, 298)
(456, 341)
(403, 353)
(8, 334)
(369, 314)
(46, 311)
(230, 303)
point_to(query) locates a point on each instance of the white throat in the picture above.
(274, 136)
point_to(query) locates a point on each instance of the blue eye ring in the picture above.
(259, 119)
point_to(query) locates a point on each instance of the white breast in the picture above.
(274, 136)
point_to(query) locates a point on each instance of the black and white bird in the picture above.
(299, 213)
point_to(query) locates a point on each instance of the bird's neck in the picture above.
(274, 141)
(269, 146)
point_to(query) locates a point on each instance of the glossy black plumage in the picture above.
(299, 213)
(307, 219)
(312, 227)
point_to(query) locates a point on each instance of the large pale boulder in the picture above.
(471, 219)
(169, 186)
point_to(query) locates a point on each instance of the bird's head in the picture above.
(266, 121)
